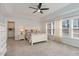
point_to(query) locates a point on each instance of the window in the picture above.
(65, 24)
(65, 28)
(50, 28)
(76, 28)
(53, 27)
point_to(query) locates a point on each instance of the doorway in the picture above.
(11, 29)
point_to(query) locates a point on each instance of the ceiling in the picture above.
(23, 10)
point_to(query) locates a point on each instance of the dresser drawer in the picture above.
(2, 43)
(2, 39)
(2, 50)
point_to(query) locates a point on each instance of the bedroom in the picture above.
(46, 26)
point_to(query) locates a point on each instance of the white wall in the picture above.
(21, 22)
(43, 26)
(3, 20)
(25, 22)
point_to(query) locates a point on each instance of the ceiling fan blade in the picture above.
(44, 9)
(41, 12)
(34, 11)
(32, 7)
(39, 6)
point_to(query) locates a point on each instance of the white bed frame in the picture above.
(38, 38)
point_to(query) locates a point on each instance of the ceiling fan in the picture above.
(39, 8)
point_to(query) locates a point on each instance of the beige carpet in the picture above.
(50, 48)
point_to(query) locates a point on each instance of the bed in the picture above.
(37, 37)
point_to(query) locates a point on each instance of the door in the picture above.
(11, 29)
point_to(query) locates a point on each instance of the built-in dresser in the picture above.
(3, 38)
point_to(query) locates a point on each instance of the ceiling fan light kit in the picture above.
(39, 9)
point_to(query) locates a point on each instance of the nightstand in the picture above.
(21, 37)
